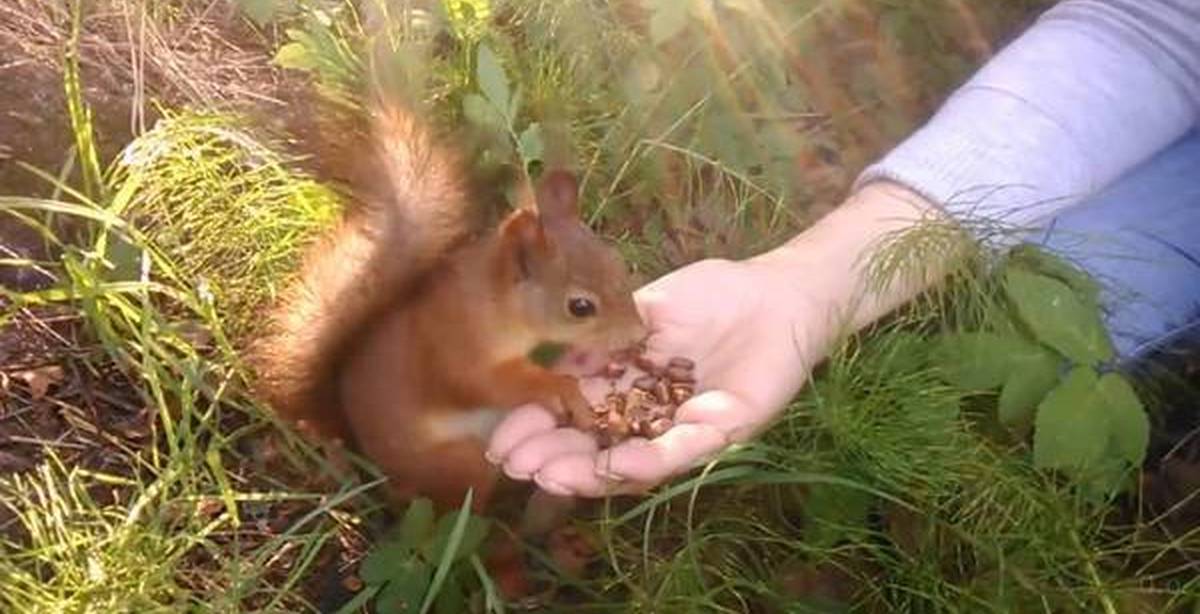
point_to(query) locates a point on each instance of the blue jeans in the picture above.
(1140, 239)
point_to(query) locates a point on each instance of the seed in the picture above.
(618, 425)
(659, 426)
(645, 383)
(680, 374)
(642, 428)
(614, 403)
(681, 392)
(682, 363)
(614, 370)
(637, 398)
(662, 392)
(647, 365)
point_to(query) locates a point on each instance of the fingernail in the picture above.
(608, 475)
(551, 486)
(517, 475)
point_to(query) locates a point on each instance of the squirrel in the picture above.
(409, 329)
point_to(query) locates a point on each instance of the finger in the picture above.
(573, 475)
(648, 300)
(520, 424)
(724, 411)
(534, 452)
(652, 461)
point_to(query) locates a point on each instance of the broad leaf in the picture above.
(1037, 259)
(1130, 426)
(1034, 374)
(451, 599)
(1072, 428)
(473, 536)
(446, 548)
(1103, 480)
(531, 145)
(417, 522)
(383, 561)
(474, 531)
(492, 80)
(407, 589)
(295, 56)
(980, 361)
(483, 114)
(1058, 317)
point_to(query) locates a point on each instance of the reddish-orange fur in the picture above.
(404, 324)
(413, 208)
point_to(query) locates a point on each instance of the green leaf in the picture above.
(1130, 426)
(417, 522)
(447, 547)
(451, 599)
(483, 114)
(547, 353)
(668, 19)
(381, 563)
(295, 56)
(409, 586)
(1033, 375)
(530, 144)
(492, 80)
(473, 536)
(1071, 430)
(1103, 480)
(980, 361)
(1037, 259)
(473, 533)
(1058, 318)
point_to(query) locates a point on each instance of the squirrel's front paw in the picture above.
(574, 408)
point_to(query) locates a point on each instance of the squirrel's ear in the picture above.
(523, 243)
(558, 196)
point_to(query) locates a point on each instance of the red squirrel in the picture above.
(409, 330)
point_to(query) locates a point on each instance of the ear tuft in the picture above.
(558, 196)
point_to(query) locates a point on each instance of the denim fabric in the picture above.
(1140, 238)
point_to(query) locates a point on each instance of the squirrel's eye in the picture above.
(581, 307)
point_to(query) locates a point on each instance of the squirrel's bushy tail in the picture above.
(413, 208)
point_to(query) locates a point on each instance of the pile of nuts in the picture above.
(646, 408)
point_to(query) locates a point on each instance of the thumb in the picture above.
(649, 301)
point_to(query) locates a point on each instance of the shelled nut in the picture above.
(646, 406)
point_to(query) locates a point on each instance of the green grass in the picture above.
(883, 488)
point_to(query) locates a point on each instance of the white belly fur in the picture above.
(477, 423)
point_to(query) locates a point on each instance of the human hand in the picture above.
(755, 330)
(739, 322)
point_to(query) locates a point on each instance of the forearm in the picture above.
(833, 258)
(1091, 90)
(1081, 98)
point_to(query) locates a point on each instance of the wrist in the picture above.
(826, 266)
